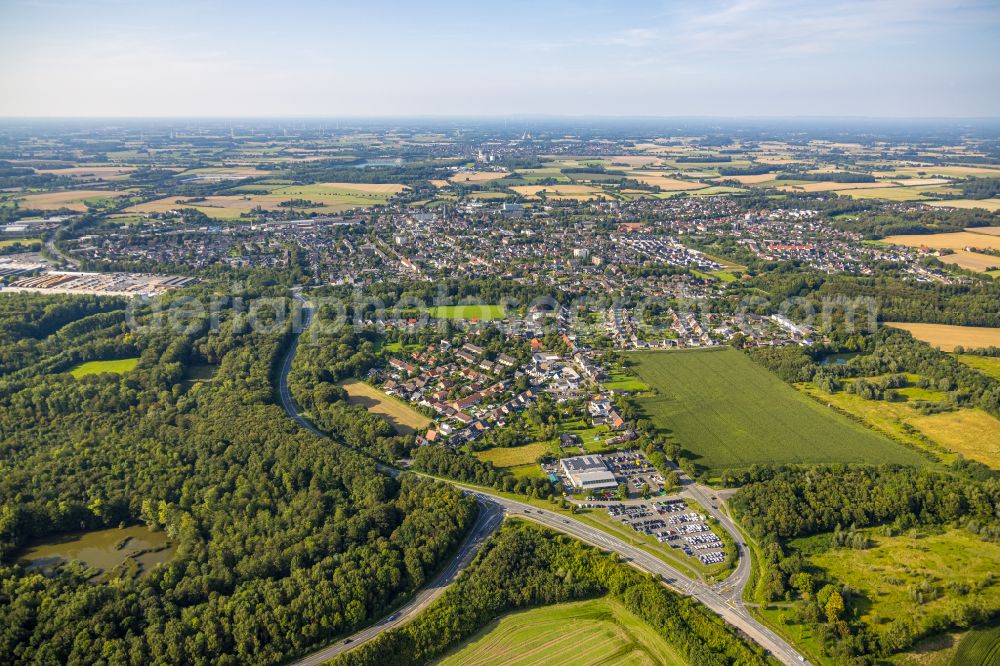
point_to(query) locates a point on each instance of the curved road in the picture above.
(724, 598)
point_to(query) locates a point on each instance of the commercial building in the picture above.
(588, 472)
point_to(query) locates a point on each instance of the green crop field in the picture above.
(728, 412)
(980, 646)
(96, 367)
(599, 631)
(482, 312)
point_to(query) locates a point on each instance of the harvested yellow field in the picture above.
(70, 199)
(973, 261)
(561, 191)
(476, 177)
(947, 336)
(985, 204)
(633, 160)
(989, 231)
(919, 182)
(664, 182)
(971, 432)
(748, 180)
(224, 207)
(956, 241)
(439, 183)
(400, 416)
(105, 172)
(336, 188)
(954, 171)
(829, 186)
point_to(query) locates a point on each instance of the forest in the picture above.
(547, 569)
(284, 540)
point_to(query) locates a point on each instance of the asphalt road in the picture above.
(724, 598)
(490, 517)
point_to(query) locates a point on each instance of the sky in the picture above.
(720, 58)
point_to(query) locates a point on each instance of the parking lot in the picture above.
(633, 468)
(668, 521)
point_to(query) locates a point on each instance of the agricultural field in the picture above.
(946, 336)
(913, 575)
(118, 367)
(728, 412)
(985, 204)
(472, 311)
(75, 200)
(600, 631)
(973, 261)
(578, 192)
(477, 177)
(401, 416)
(91, 172)
(327, 197)
(955, 241)
(979, 646)
(8, 242)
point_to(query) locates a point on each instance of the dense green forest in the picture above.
(525, 565)
(284, 539)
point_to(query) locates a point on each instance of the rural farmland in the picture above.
(728, 412)
(402, 417)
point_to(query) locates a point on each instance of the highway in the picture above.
(724, 598)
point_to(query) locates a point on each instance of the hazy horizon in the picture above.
(738, 59)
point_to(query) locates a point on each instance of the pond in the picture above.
(134, 551)
(837, 359)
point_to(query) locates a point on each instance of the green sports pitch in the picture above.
(728, 412)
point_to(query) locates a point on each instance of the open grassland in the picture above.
(955, 241)
(988, 365)
(582, 633)
(401, 416)
(75, 200)
(971, 432)
(477, 177)
(979, 646)
(23, 241)
(890, 193)
(97, 367)
(472, 311)
(730, 412)
(623, 381)
(516, 455)
(888, 574)
(943, 434)
(947, 336)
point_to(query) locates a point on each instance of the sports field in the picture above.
(728, 412)
(947, 336)
(472, 311)
(96, 367)
(401, 416)
(583, 633)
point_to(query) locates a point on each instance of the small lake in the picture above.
(837, 359)
(136, 549)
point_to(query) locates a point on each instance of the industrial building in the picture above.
(588, 472)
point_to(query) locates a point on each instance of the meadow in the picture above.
(118, 367)
(947, 336)
(600, 631)
(988, 365)
(482, 312)
(401, 416)
(729, 412)
(888, 574)
(515, 456)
